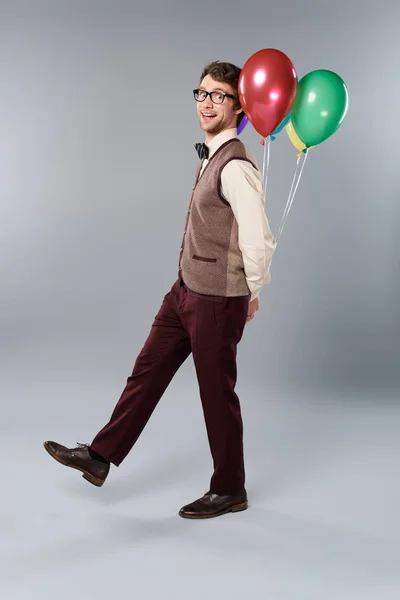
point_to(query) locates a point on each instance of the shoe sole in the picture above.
(234, 508)
(88, 476)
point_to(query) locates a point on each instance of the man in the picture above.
(224, 262)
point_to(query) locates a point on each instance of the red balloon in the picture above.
(267, 89)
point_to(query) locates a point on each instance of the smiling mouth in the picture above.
(208, 115)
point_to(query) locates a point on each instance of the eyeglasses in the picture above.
(216, 97)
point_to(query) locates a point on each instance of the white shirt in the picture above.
(242, 187)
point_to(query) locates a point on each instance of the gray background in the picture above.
(97, 126)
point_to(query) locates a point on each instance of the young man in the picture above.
(224, 262)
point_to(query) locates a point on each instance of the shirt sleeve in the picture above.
(241, 186)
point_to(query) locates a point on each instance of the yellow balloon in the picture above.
(294, 138)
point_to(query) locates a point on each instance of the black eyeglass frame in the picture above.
(196, 92)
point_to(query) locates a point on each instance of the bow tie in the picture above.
(202, 150)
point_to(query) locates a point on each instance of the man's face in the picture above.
(215, 118)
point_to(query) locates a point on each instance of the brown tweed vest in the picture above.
(210, 259)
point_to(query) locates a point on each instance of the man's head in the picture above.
(221, 78)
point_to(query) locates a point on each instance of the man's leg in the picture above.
(216, 327)
(164, 351)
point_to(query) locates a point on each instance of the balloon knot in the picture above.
(262, 142)
(273, 137)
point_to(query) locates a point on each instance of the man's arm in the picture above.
(241, 186)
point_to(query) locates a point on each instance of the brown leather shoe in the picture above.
(213, 505)
(79, 458)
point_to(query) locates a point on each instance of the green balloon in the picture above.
(320, 106)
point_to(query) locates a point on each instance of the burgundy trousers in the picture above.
(210, 327)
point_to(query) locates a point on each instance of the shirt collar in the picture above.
(221, 138)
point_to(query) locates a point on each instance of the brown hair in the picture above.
(225, 73)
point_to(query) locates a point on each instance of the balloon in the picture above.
(267, 89)
(294, 138)
(320, 106)
(280, 127)
(242, 124)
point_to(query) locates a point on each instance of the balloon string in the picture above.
(293, 190)
(292, 193)
(298, 180)
(263, 168)
(267, 169)
(266, 159)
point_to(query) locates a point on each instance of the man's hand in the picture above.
(253, 306)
